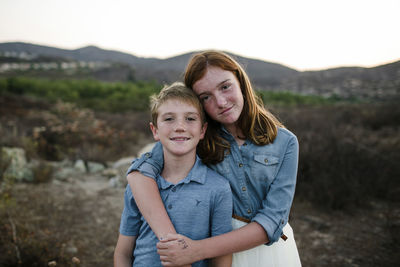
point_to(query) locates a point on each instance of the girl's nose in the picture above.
(221, 101)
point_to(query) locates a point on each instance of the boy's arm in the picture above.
(123, 254)
(149, 202)
(222, 261)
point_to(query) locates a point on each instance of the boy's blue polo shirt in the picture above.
(199, 206)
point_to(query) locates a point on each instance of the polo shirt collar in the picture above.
(197, 174)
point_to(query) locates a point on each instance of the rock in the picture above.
(76, 260)
(42, 170)
(117, 182)
(122, 163)
(121, 166)
(17, 168)
(110, 173)
(80, 166)
(145, 149)
(64, 173)
(94, 167)
(71, 249)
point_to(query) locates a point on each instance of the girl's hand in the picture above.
(177, 250)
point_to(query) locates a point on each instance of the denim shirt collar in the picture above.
(197, 174)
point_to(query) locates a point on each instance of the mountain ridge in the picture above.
(374, 82)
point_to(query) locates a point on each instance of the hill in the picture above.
(349, 82)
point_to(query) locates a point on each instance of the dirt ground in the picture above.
(80, 218)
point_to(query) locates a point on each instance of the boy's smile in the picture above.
(179, 127)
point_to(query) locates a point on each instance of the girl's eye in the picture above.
(225, 86)
(168, 119)
(191, 118)
(204, 98)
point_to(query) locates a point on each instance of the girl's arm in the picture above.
(148, 200)
(269, 219)
(178, 249)
(141, 178)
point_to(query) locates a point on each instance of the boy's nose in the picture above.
(180, 126)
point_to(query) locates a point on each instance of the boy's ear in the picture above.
(154, 131)
(203, 130)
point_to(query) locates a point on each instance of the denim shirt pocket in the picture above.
(264, 167)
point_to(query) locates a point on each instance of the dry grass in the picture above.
(348, 161)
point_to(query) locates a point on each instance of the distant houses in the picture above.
(28, 64)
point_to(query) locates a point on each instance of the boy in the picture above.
(198, 200)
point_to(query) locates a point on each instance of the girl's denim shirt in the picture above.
(262, 178)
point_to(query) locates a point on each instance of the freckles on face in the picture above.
(220, 93)
(179, 127)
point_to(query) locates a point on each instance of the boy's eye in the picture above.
(168, 119)
(191, 118)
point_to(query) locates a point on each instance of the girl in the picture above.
(249, 147)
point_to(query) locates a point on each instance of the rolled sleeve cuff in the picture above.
(145, 165)
(271, 227)
(129, 232)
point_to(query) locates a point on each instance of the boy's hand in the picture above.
(177, 250)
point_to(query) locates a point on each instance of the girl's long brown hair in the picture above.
(256, 122)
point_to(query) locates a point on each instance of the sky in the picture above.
(301, 34)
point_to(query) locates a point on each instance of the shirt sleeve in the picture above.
(274, 213)
(149, 164)
(131, 217)
(221, 221)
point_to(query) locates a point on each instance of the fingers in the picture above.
(173, 236)
(166, 262)
(169, 237)
(163, 245)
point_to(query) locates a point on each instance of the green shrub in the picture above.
(102, 96)
(288, 99)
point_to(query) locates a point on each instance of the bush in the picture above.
(290, 99)
(346, 159)
(100, 96)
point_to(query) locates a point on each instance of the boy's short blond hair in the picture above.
(179, 92)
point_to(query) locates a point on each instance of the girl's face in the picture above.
(220, 93)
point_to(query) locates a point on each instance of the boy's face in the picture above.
(179, 127)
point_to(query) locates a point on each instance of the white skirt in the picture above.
(279, 254)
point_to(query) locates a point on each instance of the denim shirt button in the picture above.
(283, 221)
(243, 188)
(266, 160)
(169, 206)
(249, 211)
(240, 165)
(147, 155)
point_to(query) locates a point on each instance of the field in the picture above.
(346, 209)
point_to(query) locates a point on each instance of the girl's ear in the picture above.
(154, 131)
(203, 130)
